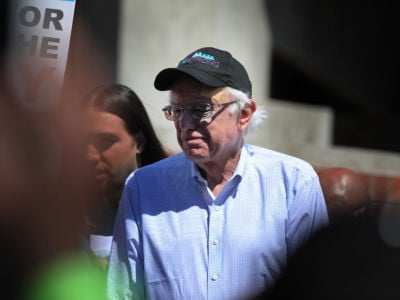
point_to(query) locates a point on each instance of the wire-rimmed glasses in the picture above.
(198, 111)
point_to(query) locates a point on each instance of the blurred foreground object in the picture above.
(46, 192)
(353, 260)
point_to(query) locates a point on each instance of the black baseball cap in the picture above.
(212, 67)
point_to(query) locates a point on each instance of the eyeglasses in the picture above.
(197, 111)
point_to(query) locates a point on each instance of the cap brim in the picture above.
(165, 79)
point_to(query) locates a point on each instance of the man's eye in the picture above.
(199, 111)
(202, 108)
(175, 110)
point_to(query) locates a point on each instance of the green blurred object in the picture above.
(70, 278)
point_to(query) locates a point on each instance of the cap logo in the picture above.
(200, 57)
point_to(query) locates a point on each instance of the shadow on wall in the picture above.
(343, 54)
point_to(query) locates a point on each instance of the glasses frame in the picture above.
(207, 113)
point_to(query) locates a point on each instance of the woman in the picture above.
(122, 139)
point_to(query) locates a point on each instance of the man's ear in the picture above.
(245, 114)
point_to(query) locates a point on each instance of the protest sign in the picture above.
(38, 55)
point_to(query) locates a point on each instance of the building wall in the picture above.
(157, 34)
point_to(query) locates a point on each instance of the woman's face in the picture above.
(112, 151)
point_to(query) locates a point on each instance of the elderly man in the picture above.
(220, 219)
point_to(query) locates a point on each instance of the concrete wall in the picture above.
(156, 34)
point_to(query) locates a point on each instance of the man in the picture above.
(219, 220)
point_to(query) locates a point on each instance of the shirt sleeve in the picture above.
(307, 213)
(125, 273)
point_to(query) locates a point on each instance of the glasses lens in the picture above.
(176, 112)
(168, 113)
(201, 111)
(196, 111)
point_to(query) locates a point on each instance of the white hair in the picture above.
(244, 99)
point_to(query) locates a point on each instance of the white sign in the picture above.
(39, 50)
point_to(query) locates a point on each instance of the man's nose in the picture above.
(186, 121)
(93, 154)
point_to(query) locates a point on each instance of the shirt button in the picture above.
(215, 242)
(214, 277)
(217, 208)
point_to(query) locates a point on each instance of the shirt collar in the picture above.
(239, 171)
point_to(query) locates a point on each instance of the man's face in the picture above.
(212, 139)
(112, 150)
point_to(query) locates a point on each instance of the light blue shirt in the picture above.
(174, 240)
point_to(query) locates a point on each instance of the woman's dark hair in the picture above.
(121, 101)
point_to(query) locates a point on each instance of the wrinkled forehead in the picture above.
(188, 90)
